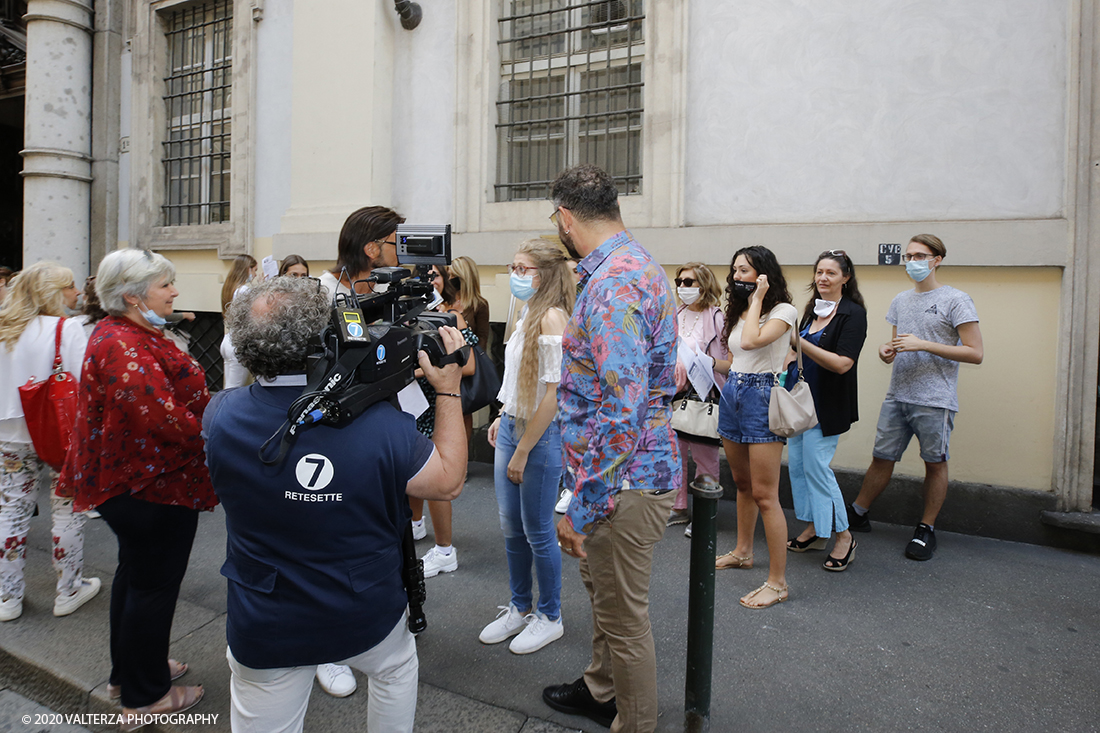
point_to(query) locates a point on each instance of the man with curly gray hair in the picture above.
(314, 542)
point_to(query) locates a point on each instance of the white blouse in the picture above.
(549, 367)
(32, 359)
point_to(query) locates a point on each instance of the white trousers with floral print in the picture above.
(21, 476)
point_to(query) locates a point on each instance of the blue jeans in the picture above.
(527, 516)
(816, 494)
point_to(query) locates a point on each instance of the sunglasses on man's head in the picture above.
(685, 282)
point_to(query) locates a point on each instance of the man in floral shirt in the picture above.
(620, 453)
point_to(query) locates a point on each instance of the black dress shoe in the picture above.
(575, 699)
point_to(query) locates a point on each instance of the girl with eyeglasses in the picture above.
(758, 316)
(528, 459)
(701, 323)
(832, 332)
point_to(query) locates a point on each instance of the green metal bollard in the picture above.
(700, 643)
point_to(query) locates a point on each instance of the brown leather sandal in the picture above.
(177, 700)
(175, 670)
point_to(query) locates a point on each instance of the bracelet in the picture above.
(448, 394)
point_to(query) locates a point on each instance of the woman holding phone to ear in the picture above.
(759, 316)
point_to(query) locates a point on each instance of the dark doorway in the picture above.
(11, 183)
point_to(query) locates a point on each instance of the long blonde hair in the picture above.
(557, 289)
(469, 288)
(238, 276)
(34, 291)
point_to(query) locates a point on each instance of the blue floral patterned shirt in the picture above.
(615, 396)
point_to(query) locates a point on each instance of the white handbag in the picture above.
(792, 413)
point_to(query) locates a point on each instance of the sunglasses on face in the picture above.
(685, 282)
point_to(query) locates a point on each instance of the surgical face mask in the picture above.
(743, 289)
(522, 287)
(688, 295)
(918, 269)
(153, 319)
(822, 308)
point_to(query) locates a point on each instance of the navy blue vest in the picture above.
(313, 544)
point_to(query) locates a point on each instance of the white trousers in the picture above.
(275, 700)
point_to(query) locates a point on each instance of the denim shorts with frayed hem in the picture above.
(898, 422)
(743, 410)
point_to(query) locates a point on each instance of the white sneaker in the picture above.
(563, 501)
(64, 605)
(92, 514)
(687, 532)
(540, 631)
(11, 609)
(336, 679)
(419, 530)
(509, 622)
(436, 562)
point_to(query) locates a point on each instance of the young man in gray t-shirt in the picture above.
(935, 328)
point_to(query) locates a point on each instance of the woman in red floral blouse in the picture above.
(138, 458)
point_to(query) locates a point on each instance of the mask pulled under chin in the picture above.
(822, 308)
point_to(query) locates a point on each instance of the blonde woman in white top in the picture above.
(759, 315)
(28, 336)
(528, 462)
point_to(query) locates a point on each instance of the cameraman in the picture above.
(314, 542)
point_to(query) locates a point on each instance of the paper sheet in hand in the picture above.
(412, 399)
(701, 375)
(270, 266)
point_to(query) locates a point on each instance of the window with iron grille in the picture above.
(571, 92)
(198, 101)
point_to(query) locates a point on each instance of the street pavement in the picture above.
(989, 635)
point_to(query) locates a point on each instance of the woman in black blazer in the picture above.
(832, 331)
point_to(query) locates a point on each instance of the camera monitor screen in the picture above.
(424, 244)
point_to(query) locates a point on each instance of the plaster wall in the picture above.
(859, 110)
(274, 87)
(424, 117)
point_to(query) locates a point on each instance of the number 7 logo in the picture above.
(314, 471)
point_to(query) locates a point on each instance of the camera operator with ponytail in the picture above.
(314, 541)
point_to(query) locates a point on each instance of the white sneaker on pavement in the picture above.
(435, 562)
(11, 609)
(563, 501)
(419, 530)
(336, 679)
(540, 631)
(509, 622)
(64, 605)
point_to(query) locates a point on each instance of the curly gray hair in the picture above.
(271, 324)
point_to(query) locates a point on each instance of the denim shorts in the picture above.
(743, 410)
(898, 422)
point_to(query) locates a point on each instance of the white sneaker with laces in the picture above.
(336, 679)
(64, 605)
(563, 501)
(419, 530)
(11, 609)
(540, 631)
(435, 562)
(509, 622)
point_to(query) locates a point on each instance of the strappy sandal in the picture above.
(739, 563)
(175, 670)
(814, 543)
(177, 700)
(781, 594)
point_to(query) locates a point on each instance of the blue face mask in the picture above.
(521, 286)
(153, 319)
(918, 269)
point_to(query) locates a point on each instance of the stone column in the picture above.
(57, 172)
